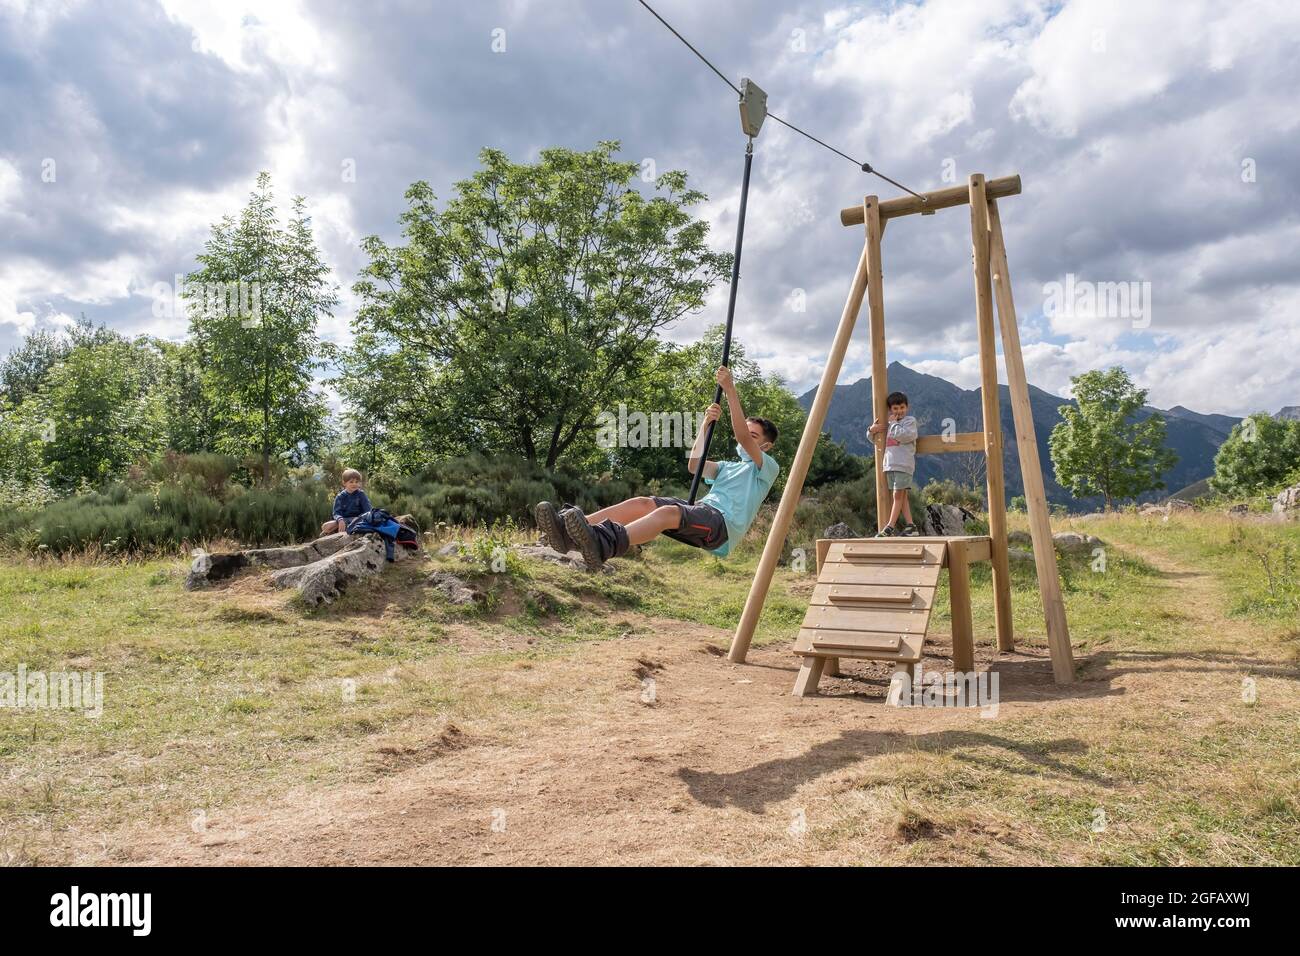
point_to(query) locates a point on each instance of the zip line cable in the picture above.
(865, 167)
(722, 76)
(753, 109)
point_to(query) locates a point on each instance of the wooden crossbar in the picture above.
(939, 199)
(939, 444)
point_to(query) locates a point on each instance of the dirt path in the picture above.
(723, 766)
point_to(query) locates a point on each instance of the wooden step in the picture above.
(857, 640)
(860, 645)
(886, 550)
(831, 618)
(872, 595)
(893, 574)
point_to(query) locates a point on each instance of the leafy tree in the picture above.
(24, 369)
(1101, 447)
(525, 305)
(255, 304)
(22, 458)
(96, 412)
(1259, 454)
(831, 464)
(188, 413)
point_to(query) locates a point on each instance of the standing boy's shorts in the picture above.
(703, 526)
(898, 480)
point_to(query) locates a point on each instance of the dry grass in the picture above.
(230, 733)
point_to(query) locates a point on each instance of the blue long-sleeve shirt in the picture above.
(350, 504)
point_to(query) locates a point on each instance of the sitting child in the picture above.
(900, 462)
(713, 523)
(349, 503)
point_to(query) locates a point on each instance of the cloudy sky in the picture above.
(1158, 143)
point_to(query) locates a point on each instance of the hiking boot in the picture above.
(583, 538)
(909, 530)
(889, 531)
(551, 524)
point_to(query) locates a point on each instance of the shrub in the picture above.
(476, 489)
(121, 519)
(17, 495)
(949, 492)
(186, 499)
(209, 471)
(274, 515)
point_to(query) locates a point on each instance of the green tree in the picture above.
(188, 412)
(24, 369)
(96, 412)
(254, 308)
(1259, 454)
(1101, 447)
(525, 305)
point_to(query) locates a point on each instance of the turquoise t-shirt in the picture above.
(737, 491)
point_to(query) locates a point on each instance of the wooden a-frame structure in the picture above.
(992, 284)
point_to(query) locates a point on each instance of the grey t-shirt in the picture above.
(900, 445)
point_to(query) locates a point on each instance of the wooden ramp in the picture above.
(873, 601)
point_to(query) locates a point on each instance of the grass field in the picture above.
(228, 711)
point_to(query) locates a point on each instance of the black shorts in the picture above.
(703, 526)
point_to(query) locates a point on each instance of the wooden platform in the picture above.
(873, 601)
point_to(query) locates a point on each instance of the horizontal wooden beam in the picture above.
(939, 199)
(958, 441)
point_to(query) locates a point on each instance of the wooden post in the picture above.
(902, 679)
(876, 317)
(979, 226)
(799, 468)
(810, 674)
(963, 631)
(1031, 472)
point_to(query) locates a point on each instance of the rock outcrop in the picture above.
(454, 589)
(1288, 501)
(944, 520)
(1072, 542)
(324, 580)
(321, 570)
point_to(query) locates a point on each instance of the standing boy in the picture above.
(900, 462)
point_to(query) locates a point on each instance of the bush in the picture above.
(209, 471)
(478, 490)
(853, 502)
(949, 492)
(170, 516)
(186, 499)
(275, 515)
(17, 495)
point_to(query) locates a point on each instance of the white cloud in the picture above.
(1131, 156)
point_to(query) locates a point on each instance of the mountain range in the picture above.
(1195, 437)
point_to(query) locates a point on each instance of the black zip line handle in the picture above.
(731, 318)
